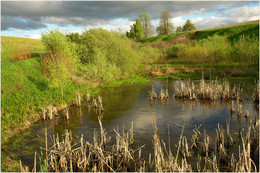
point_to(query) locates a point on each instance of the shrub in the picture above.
(246, 51)
(61, 61)
(212, 50)
(120, 56)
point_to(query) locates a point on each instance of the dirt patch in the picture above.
(156, 74)
(184, 39)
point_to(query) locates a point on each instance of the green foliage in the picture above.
(179, 29)
(246, 51)
(61, 60)
(145, 21)
(218, 49)
(108, 56)
(166, 26)
(188, 26)
(136, 31)
(172, 51)
(212, 50)
(74, 37)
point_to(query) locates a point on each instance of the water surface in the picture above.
(130, 103)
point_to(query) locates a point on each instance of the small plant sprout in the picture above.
(66, 113)
(44, 112)
(78, 99)
(88, 97)
(94, 103)
(153, 95)
(51, 112)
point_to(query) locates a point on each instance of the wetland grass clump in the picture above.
(88, 97)
(49, 112)
(152, 94)
(66, 113)
(204, 154)
(78, 99)
(97, 156)
(212, 90)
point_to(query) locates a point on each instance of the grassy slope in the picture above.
(233, 32)
(25, 87)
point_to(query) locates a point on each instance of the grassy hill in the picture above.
(233, 31)
(231, 50)
(24, 84)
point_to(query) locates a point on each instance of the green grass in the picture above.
(164, 38)
(233, 33)
(131, 80)
(26, 89)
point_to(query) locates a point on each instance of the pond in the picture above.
(127, 104)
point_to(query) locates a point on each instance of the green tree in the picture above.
(136, 31)
(139, 30)
(189, 26)
(146, 24)
(179, 29)
(61, 60)
(166, 26)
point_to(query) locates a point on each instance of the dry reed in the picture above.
(212, 90)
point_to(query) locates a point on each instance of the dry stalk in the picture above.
(78, 99)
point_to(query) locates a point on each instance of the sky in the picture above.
(31, 18)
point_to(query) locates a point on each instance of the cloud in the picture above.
(35, 14)
(19, 23)
(241, 14)
(178, 21)
(34, 36)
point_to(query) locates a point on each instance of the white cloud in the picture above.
(34, 36)
(178, 21)
(125, 27)
(241, 14)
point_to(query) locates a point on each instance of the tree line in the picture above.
(142, 28)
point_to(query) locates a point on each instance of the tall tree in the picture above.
(189, 26)
(136, 31)
(166, 26)
(179, 29)
(146, 24)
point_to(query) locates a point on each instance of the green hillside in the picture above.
(232, 32)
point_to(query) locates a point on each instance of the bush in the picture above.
(172, 51)
(61, 61)
(109, 55)
(246, 51)
(212, 50)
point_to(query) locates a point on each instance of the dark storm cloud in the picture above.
(32, 15)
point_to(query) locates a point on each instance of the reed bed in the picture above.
(164, 94)
(212, 90)
(203, 154)
(49, 112)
